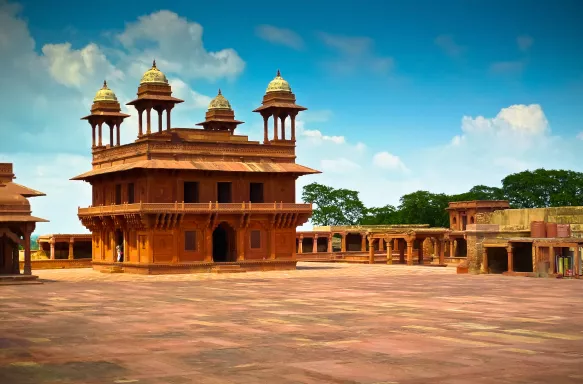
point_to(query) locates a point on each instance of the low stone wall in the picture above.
(58, 264)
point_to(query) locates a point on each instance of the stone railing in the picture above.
(194, 208)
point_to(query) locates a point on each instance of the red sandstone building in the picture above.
(183, 199)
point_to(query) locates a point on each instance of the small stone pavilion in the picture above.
(60, 246)
(180, 200)
(16, 226)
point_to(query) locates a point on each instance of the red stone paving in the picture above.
(324, 323)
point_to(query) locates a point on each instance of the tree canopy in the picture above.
(529, 189)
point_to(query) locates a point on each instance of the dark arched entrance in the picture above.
(224, 244)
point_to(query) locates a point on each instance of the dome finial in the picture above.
(220, 91)
(278, 84)
(154, 64)
(104, 84)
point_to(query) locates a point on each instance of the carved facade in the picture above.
(184, 199)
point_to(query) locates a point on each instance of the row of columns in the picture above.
(277, 115)
(98, 141)
(315, 243)
(535, 253)
(52, 243)
(148, 111)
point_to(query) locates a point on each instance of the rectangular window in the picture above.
(191, 192)
(224, 192)
(255, 239)
(256, 192)
(190, 240)
(118, 194)
(131, 193)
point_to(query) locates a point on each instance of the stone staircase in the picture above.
(112, 269)
(228, 269)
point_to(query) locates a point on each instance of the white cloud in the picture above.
(317, 136)
(177, 44)
(519, 119)
(389, 161)
(355, 53)
(524, 42)
(580, 136)
(449, 45)
(280, 36)
(47, 92)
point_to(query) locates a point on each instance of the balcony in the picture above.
(194, 208)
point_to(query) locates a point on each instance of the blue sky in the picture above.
(402, 95)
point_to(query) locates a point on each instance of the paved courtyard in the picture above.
(324, 323)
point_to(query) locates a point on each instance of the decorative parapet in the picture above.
(194, 208)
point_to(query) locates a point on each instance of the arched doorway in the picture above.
(224, 246)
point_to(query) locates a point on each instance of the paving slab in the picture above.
(323, 323)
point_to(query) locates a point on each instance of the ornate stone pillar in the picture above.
(389, 251)
(99, 134)
(117, 134)
(371, 250)
(140, 129)
(168, 113)
(272, 244)
(451, 252)
(343, 243)
(363, 242)
(534, 259)
(282, 118)
(485, 260)
(52, 246)
(510, 259)
(265, 128)
(441, 247)
(71, 255)
(301, 244)
(330, 243)
(27, 260)
(315, 244)
(551, 260)
(241, 234)
(111, 142)
(410, 242)
(275, 125)
(148, 120)
(577, 261)
(93, 135)
(159, 110)
(381, 245)
(293, 126)
(208, 244)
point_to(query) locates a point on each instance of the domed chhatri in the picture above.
(154, 76)
(220, 102)
(278, 84)
(105, 94)
(13, 201)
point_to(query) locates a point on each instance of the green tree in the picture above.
(381, 216)
(479, 192)
(424, 207)
(333, 206)
(544, 188)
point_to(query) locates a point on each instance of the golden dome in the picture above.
(105, 94)
(278, 85)
(154, 76)
(219, 102)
